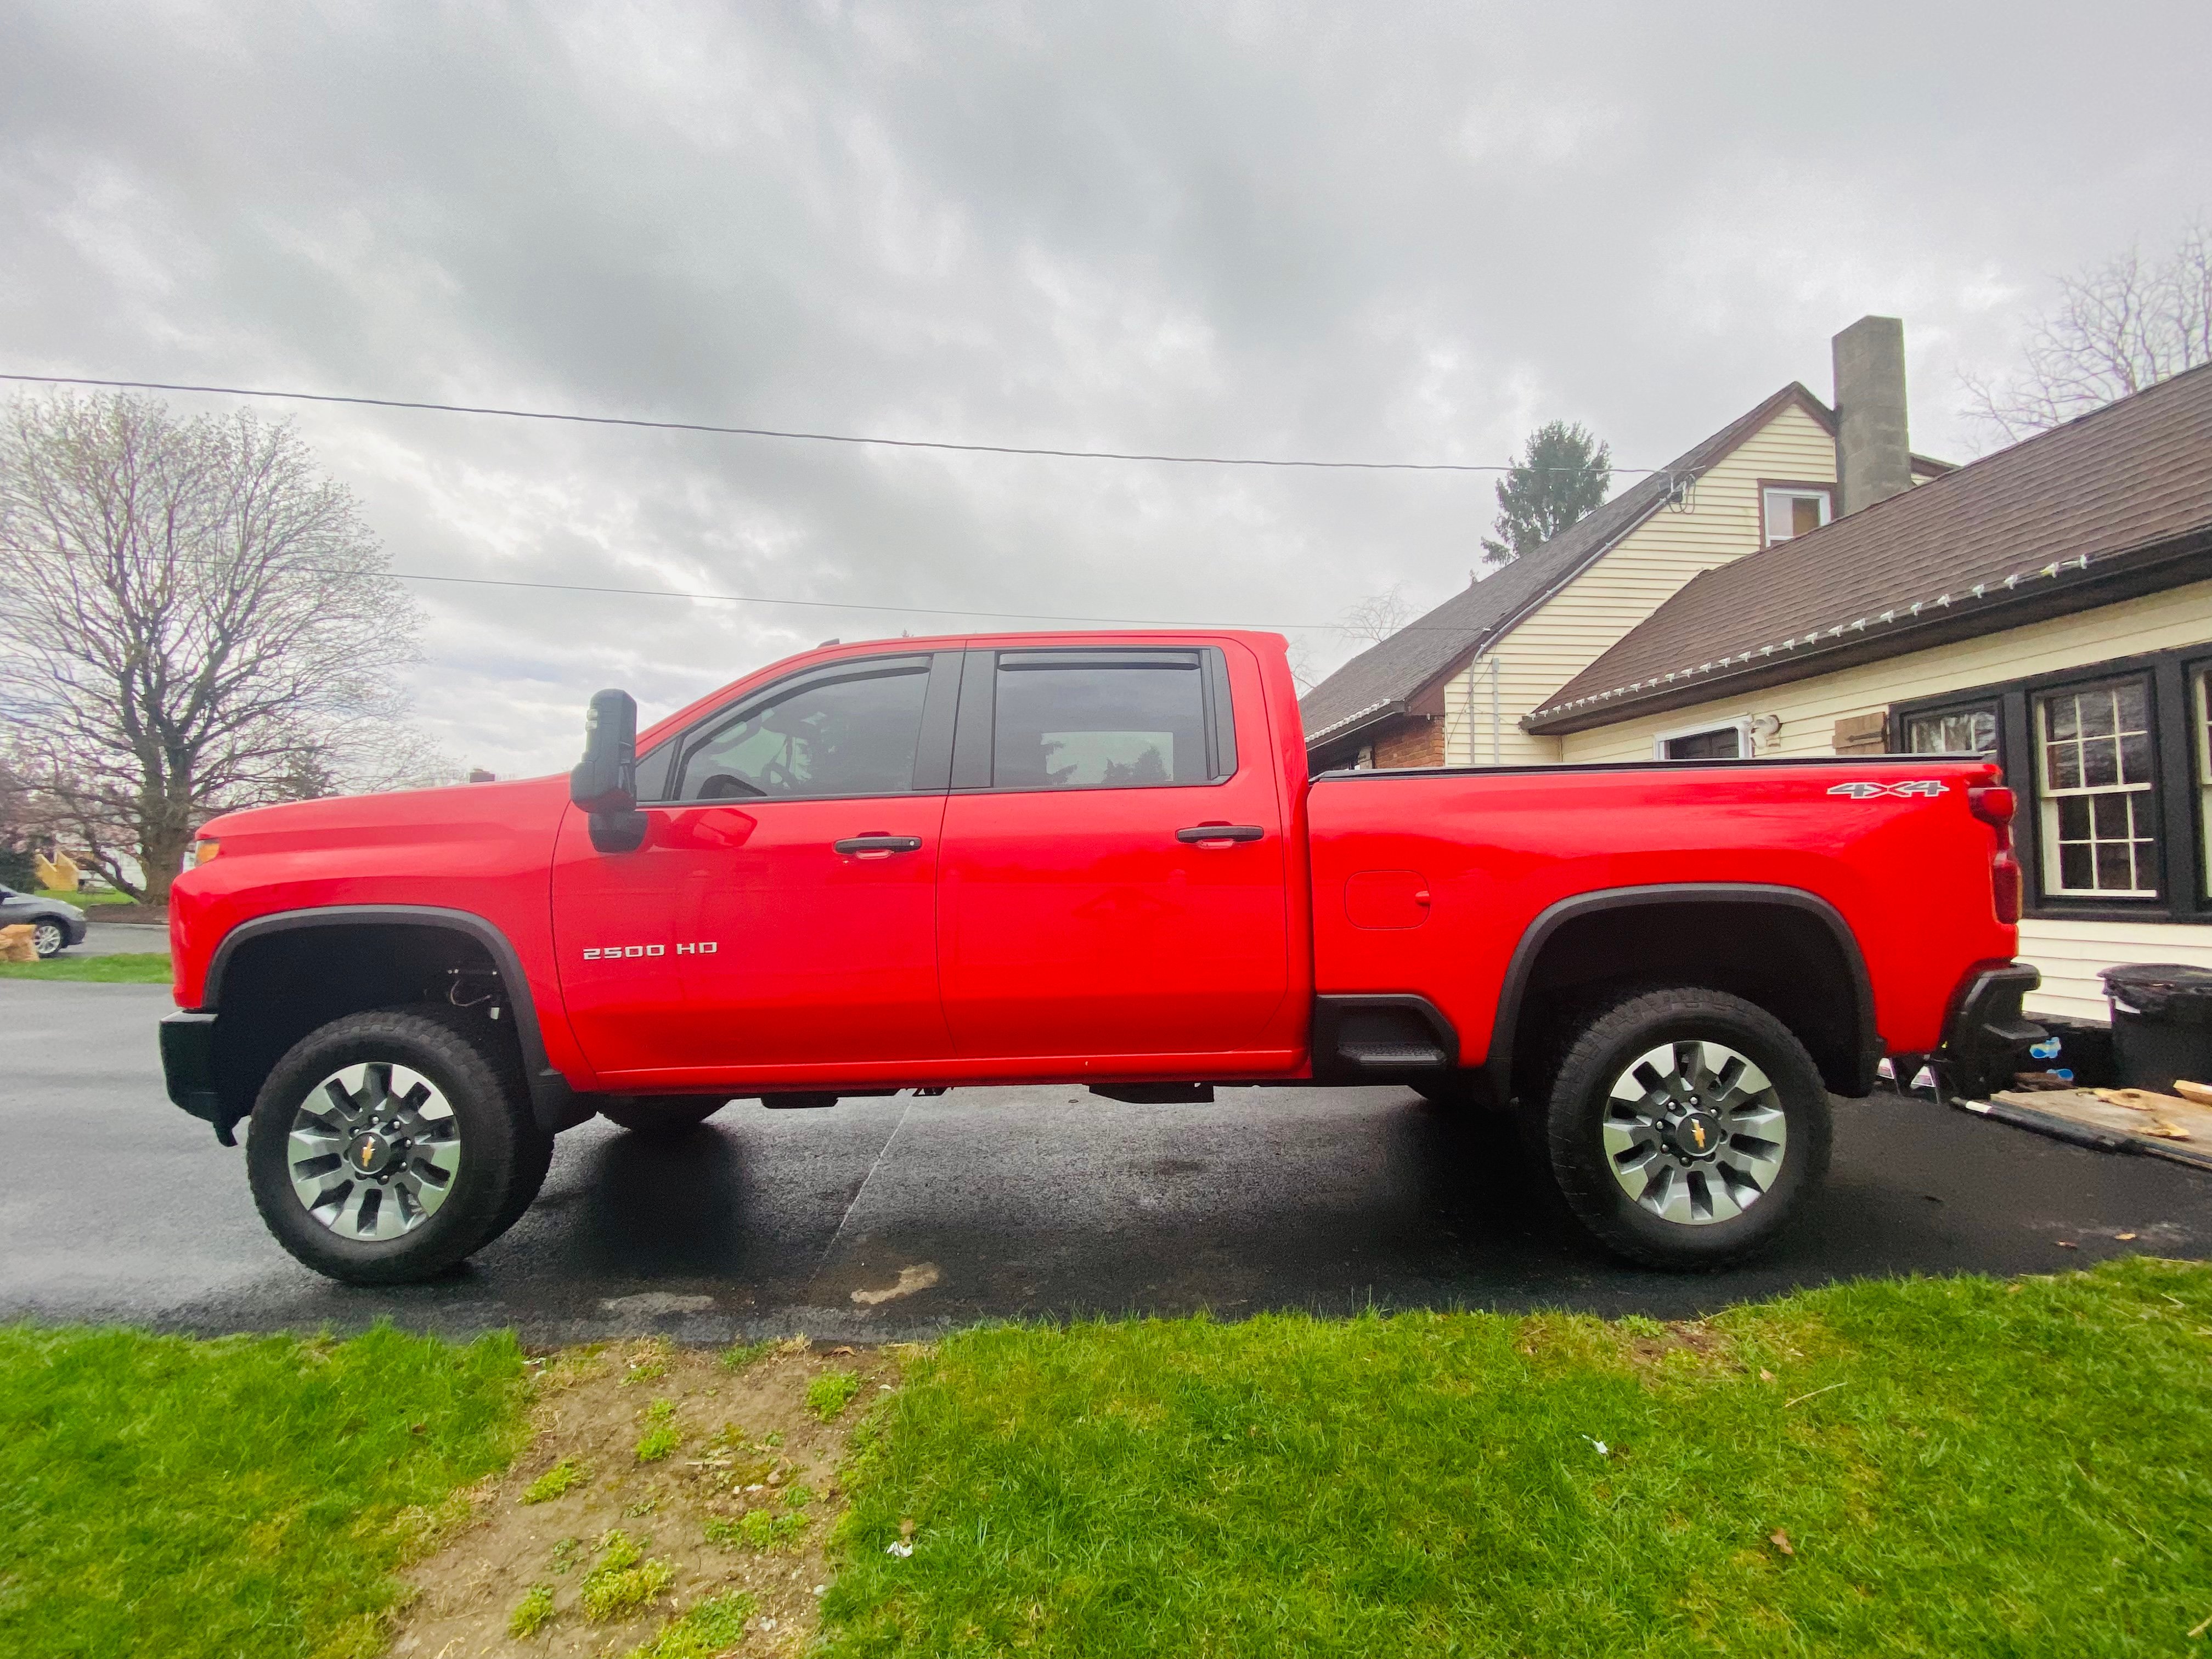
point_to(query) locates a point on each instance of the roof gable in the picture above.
(1394, 670)
(2135, 475)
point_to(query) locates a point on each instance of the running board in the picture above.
(1377, 1038)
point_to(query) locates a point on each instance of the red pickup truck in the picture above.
(1089, 859)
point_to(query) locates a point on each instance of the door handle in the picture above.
(1202, 833)
(878, 844)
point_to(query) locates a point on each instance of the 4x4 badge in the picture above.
(1869, 791)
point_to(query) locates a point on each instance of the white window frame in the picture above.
(2048, 796)
(1771, 493)
(2200, 709)
(1742, 728)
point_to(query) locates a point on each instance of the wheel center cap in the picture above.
(1697, 1135)
(368, 1153)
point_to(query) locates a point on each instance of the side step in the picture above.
(1392, 1057)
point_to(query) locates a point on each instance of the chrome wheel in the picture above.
(47, 938)
(1694, 1132)
(373, 1151)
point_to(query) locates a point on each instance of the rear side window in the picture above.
(1069, 722)
(847, 733)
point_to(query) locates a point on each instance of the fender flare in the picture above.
(1498, 1063)
(553, 1101)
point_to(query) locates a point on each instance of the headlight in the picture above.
(204, 850)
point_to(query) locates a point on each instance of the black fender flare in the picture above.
(553, 1101)
(1498, 1063)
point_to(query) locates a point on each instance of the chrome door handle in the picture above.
(879, 844)
(1202, 833)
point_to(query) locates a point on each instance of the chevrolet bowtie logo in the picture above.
(1698, 1131)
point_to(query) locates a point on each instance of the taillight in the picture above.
(1994, 804)
(2004, 882)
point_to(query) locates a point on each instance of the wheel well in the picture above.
(1782, 957)
(279, 986)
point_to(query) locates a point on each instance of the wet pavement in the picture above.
(984, 1203)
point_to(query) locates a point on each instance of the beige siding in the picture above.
(2070, 953)
(1721, 522)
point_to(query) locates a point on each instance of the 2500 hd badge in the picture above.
(610, 952)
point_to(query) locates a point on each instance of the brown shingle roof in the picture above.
(1390, 672)
(2131, 479)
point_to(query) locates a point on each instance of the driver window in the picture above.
(852, 735)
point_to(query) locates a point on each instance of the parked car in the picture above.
(1085, 858)
(55, 923)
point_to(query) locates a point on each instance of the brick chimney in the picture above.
(1874, 460)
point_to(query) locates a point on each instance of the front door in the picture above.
(783, 906)
(1084, 909)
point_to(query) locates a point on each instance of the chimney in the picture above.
(1873, 458)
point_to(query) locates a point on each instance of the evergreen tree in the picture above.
(1563, 473)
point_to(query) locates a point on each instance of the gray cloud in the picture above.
(1408, 232)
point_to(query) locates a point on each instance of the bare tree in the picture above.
(1378, 616)
(196, 620)
(2117, 330)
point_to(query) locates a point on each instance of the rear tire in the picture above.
(408, 1096)
(660, 1116)
(1683, 1126)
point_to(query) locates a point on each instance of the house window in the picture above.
(1714, 742)
(1968, 731)
(1795, 511)
(2200, 693)
(2100, 817)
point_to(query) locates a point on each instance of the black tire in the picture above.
(503, 1153)
(660, 1115)
(1746, 1203)
(49, 937)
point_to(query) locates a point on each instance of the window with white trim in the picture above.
(2099, 810)
(2200, 699)
(1793, 512)
(1971, 730)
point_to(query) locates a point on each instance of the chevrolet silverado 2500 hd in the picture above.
(1088, 858)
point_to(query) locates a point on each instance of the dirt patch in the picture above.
(659, 1478)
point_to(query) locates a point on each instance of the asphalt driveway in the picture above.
(896, 1218)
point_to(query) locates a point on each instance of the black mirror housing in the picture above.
(605, 782)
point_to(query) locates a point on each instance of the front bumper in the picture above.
(1987, 1037)
(188, 1069)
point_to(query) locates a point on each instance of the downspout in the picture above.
(1493, 709)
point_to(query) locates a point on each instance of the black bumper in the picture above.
(1987, 1037)
(188, 1068)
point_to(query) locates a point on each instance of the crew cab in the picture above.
(1091, 859)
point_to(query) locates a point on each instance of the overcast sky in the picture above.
(1369, 230)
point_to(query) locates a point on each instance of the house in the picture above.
(2048, 606)
(1455, 688)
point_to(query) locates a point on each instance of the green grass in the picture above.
(127, 968)
(532, 1614)
(1959, 1466)
(564, 1476)
(760, 1530)
(830, 1392)
(247, 1495)
(84, 900)
(624, 1580)
(663, 1436)
(711, 1628)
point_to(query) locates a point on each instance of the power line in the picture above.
(777, 432)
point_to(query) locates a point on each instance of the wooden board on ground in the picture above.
(2089, 1109)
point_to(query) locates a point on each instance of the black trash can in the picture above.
(2162, 1023)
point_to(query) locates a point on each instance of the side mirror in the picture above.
(605, 782)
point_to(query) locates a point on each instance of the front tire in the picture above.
(1684, 1127)
(386, 1146)
(49, 938)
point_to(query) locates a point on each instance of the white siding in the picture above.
(2071, 954)
(1589, 615)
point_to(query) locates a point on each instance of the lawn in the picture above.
(84, 900)
(247, 1495)
(131, 967)
(1947, 1466)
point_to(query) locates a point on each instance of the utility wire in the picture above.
(776, 432)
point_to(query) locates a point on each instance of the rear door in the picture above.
(1084, 909)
